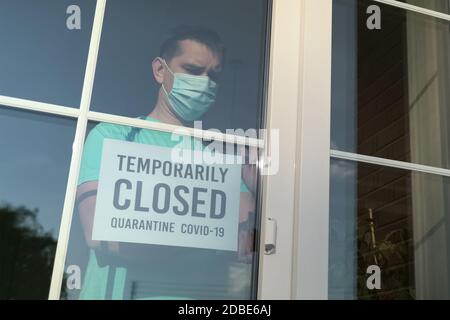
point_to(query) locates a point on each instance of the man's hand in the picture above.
(246, 228)
(250, 168)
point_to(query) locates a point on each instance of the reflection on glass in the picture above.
(390, 86)
(34, 165)
(29, 251)
(125, 84)
(41, 59)
(218, 263)
(392, 218)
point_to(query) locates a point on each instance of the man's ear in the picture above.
(158, 70)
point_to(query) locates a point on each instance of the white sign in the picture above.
(145, 197)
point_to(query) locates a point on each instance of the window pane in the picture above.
(151, 224)
(395, 219)
(390, 94)
(134, 33)
(34, 164)
(41, 59)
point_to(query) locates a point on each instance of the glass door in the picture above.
(174, 149)
(163, 197)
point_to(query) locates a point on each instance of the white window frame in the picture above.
(299, 96)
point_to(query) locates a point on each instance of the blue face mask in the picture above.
(191, 96)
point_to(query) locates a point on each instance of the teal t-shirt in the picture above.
(203, 272)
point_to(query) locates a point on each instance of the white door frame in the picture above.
(298, 196)
(300, 106)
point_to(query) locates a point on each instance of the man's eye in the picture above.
(195, 72)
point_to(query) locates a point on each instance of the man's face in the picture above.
(195, 59)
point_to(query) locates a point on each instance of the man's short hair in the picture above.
(171, 46)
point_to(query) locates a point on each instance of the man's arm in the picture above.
(246, 234)
(247, 212)
(86, 199)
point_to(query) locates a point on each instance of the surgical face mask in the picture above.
(191, 96)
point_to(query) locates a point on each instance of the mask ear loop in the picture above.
(167, 66)
(171, 72)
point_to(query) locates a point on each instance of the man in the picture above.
(186, 70)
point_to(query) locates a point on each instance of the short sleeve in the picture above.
(92, 153)
(244, 187)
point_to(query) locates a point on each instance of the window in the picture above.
(394, 218)
(41, 59)
(139, 101)
(395, 86)
(124, 83)
(433, 7)
(182, 245)
(36, 145)
(61, 75)
(35, 162)
(389, 151)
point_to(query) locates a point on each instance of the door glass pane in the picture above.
(42, 59)
(34, 164)
(128, 79)
(152, 224)
(394, 219)
(390, 94)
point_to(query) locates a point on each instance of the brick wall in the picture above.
(383, 131)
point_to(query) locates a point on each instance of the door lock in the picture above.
(270, 237)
